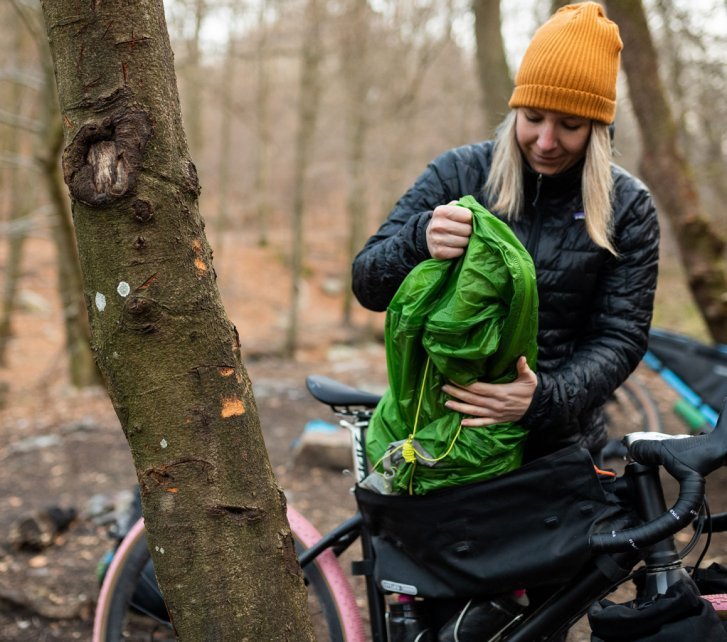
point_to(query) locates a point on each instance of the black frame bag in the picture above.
(524, 529)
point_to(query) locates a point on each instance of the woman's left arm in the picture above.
(617, 333)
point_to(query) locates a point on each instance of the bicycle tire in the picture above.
(119, 617)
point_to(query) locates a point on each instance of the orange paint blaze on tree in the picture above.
(198, 261)
(232, 408)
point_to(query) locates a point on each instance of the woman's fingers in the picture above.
(449, 231)
(491, 403)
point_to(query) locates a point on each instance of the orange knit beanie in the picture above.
(571, 65)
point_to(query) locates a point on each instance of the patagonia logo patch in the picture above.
(579, 216)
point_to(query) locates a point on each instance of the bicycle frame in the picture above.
(662, 563)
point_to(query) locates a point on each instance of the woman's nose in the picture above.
(546, 138)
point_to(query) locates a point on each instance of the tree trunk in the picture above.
(193, 69)
(82, 369)
(16, 239)
(493, 72)
(264, 132)
(666, 171)
(171, 359)
(307, 114)
(355, 70)
(227, 105)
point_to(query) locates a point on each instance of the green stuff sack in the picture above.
(463, 320)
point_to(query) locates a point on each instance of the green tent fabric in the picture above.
(463, 320)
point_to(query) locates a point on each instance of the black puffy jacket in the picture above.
(595, 309)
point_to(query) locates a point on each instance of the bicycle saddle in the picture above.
(335, 393)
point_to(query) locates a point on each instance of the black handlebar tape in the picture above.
(688, 461)
(686, 508)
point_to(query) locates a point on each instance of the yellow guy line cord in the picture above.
(407, 448)
(408, 451)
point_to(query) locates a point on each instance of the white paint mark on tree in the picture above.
(100, 302)
(123, 289)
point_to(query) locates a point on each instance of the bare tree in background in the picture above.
(264, 132)
(48, 143)
(18, 205)
(194, 77)
(355, 36)
(410, 60)
(696, 80)
(227, 106)
(170, 357)
(666, 171)
(308, 103)
(493, 72)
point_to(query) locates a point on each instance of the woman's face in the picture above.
(551, 141)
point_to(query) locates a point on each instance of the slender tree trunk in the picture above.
(16, 239)
(193, 95)
(226, 108)
(171, 359)
(13, 265)
(666, 171)
(355, 69)
(307, 114)
(493, 72)
(263, 199)
(48, 143)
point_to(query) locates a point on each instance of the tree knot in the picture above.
(103, 161)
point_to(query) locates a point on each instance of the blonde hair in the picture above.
(504, 185)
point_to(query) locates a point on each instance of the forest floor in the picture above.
(64, 447)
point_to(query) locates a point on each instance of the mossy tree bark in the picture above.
(667, 172)
(170, 357)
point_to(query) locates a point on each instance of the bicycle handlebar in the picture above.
(689, 461)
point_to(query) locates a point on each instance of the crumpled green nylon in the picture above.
(472, 318)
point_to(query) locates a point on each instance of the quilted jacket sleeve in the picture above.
(616, 337)
(400, 243)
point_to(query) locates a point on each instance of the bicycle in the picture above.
(695, 371)
(333, 605)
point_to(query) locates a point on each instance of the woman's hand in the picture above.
(449, 231)
(494, 403)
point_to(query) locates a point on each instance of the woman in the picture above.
(590, 227)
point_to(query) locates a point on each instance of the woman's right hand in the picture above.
(449, 231)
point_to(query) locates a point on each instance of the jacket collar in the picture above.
(564, 183)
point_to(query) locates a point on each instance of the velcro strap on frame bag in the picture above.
(523, 529)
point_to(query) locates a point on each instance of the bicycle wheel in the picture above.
(130, 606)
(632, 409)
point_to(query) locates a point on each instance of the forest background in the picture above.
(395, 85)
